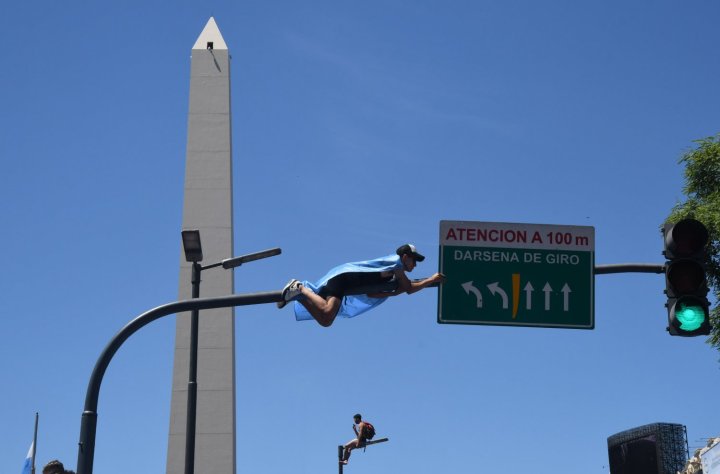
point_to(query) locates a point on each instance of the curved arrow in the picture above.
(494, 288)
(469, 288)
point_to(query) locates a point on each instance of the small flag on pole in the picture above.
(27, 467)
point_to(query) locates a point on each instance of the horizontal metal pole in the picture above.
(387, 287)
(164, 310)
(629, 268)
(392, 285)
(88, 422)
(376, 441)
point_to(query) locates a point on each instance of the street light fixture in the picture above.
(237, 261)
(193, 253)
(192, 245)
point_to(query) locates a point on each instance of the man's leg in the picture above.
(349, 447)
(324, 311)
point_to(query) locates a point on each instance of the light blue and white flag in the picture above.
(27, 467)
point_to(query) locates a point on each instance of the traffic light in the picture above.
(685, 279)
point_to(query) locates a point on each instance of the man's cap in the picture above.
(410, 250)
(358, 415)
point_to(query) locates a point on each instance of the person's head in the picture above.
(54, 467)
(409, 256)
(357, 418)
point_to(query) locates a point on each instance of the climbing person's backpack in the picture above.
(368, 431)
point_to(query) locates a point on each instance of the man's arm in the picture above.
(411, 287)
(405, 285)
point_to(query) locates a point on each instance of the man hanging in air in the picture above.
(330, 297)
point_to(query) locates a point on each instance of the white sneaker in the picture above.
(291, 291)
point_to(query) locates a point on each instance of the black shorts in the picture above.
(340, 284)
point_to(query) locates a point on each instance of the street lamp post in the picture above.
(193, 253)
(88, 421)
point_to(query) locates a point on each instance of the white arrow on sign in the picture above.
(494, 288)
(469, 288)
(547, 289)
(566, 297)
(528, 295)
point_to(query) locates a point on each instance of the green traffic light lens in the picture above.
(690, 317)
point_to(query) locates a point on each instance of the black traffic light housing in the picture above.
(685, 278)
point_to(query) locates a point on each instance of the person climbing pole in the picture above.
(364, 431)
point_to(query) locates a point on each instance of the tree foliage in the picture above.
(702, 192)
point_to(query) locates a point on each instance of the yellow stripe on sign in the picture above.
(516, 292)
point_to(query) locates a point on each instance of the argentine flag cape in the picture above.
(352, 305)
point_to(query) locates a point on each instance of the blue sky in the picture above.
(357, 126)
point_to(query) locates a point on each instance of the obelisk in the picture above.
(207, 207)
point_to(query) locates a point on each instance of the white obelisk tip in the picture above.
(210, 38)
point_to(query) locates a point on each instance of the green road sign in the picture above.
(517, 274)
